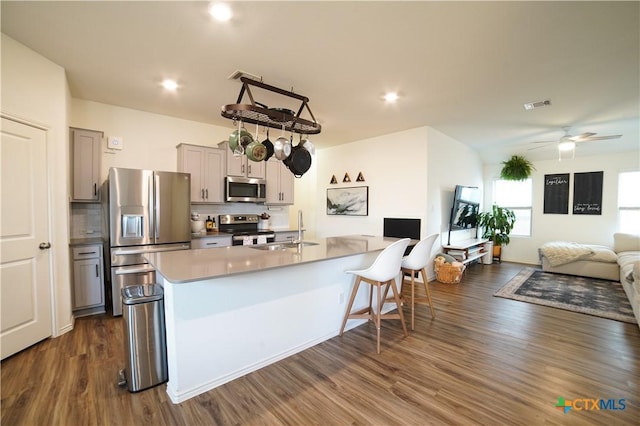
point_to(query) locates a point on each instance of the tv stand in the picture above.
(472, 249)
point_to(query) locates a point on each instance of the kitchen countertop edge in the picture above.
(186, 266)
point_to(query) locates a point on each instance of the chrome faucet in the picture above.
(299, 240)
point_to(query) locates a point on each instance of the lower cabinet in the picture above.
(287, 236)
(211, 241)
(88, 280)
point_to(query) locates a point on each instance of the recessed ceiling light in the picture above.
(220, 12)
(391, 97)
(169, 84)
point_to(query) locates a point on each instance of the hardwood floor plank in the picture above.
(483, 360)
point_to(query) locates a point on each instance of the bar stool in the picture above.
(382, 272)
(416, 262)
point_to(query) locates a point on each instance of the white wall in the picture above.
(410, 174)
(585, 229)
(35, 90)
(150, 142)
(450, 163)
(394, 169)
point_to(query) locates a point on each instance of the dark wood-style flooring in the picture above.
(483, 360)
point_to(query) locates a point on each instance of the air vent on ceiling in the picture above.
(531, 105)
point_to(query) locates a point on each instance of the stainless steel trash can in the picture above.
(144, 336)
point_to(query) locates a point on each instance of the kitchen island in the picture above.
(233, 310)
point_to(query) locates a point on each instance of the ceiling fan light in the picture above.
(566, 146)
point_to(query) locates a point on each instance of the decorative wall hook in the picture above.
(360, 177)
(346, 178)
(333, 180)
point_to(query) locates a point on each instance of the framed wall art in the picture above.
(352, 201)
(587, 193)
(556, 193)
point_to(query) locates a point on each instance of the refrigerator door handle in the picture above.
(156, 199)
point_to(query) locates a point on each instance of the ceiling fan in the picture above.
(568, 142)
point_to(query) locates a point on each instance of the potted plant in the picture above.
(516, 168)
(496, 226)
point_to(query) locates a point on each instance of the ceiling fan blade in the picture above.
(582, 136)
(600, 138)
(539, 146)
(544, 142)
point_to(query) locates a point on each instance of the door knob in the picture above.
(44, 246)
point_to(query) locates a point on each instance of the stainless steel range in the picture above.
(244, 228)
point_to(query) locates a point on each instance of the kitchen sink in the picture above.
(283, 246)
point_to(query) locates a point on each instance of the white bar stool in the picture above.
(416, 262)
(382, 272)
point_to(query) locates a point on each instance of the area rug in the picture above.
(601, 298)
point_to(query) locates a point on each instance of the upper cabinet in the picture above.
(207, 168)
(279, 183)
(241, 165)
(85, 151)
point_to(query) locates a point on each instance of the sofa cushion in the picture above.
(628, 258)
(601, 254)
(626, 242)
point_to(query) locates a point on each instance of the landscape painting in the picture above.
(353, 201)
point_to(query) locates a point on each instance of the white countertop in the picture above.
(200, 264)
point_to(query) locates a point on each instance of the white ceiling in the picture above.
(463, 68)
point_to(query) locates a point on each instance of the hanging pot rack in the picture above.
(277, 118)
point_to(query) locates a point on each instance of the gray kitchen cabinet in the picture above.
(279, 183)
(207, 168)
(85, 151)
(212, 241)
(287, 236)
(88, 280)
(241, 165)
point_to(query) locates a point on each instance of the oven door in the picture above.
(247, 240)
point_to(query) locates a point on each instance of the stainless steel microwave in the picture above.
(249, 190)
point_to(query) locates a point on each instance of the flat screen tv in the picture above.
(464, 211)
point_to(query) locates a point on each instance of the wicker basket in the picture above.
(448, 274)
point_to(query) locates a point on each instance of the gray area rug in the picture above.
(601, 298)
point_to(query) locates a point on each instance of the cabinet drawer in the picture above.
(87, 252)
(211, 242)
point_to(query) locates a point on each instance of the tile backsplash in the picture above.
(86, 220)
(89, 220)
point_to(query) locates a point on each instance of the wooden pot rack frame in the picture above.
(258, 113)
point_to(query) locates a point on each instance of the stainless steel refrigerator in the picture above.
(149, 211)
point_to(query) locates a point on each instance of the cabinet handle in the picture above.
(242, 168)
(202, 194)
(212, 244)
(97, 276)
(88, 252)
(207, 192)
(249, 169)
(95, 189)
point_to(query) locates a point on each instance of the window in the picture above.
(629, 202)
(517, 196)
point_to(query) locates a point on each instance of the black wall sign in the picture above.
(556, 193)
(587, 193)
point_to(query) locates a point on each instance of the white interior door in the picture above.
(25, 292)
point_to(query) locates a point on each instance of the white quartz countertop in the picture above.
(185, 266)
